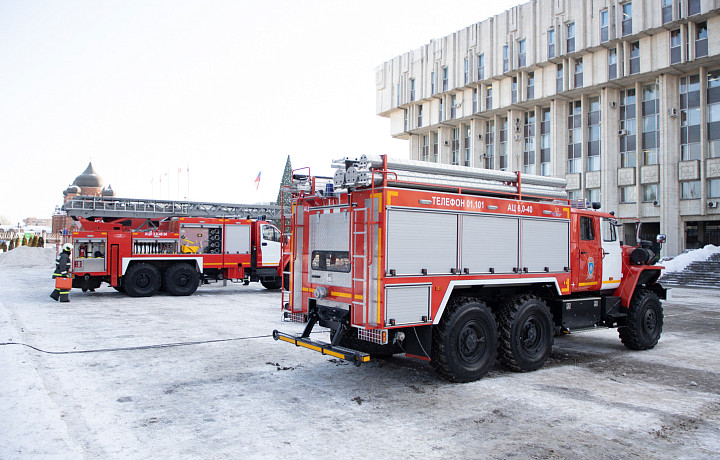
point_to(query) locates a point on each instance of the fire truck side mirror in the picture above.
(661, 239)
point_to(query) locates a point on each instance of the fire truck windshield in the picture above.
(331, 261)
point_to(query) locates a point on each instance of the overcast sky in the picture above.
(224, 88)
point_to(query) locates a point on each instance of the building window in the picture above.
(559, 79)
(573, 195)
(489, 156)
(502, 145)
(604, 26)
(432, 82)
(713, 188)
(466, 147)
(488, 97)
(436, 147)
(701, 39)
(634, 58)
(693, 7)
(453, 106)
(627, 18)
(412, 89)
(651, 119)
(690, 118)
(506, 58)
(420, 116)
(713, 113)
(529, 143)
(574, 137)
(675, 47)
(530, 91)
(397, 92)
(628, 129)
(481, 66)
(612, 64)
(475, 100)
(578, 76)
(405, 119)
(467, 70)
(445, 79)
(650, 192)
(455, 147)
(570, 42)
(425, 154)
(593, 143)
(441, 109)
(522, 53)
(513, 89)
(551, 43)
(690, 190)
(627, 194)
(666, 11)
(592, 195)
(545, 142)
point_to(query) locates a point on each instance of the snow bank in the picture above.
(25, 257)
(683, 260)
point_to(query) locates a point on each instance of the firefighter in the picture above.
(62, 264)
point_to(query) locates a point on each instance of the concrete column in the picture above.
(670, 222)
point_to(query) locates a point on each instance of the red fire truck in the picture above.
(142, 246)
(458, 266)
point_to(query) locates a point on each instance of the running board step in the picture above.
(354, 356)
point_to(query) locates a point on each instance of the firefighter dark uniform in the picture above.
(62, 264)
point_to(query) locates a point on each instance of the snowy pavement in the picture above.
(100, 384)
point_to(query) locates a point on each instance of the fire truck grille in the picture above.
(375, 335)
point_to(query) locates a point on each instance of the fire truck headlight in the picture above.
(321, 292)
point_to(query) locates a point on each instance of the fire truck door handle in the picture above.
(264, 244)
(583, 252)
(605, 253)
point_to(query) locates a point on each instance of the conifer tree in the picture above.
(284, 199)
(12, 244)
(3, 247)
(17, 241)
(41, 242)
(24, 241)
(34, 241)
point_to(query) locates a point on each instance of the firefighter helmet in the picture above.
(67, 247)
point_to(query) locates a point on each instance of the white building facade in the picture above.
(620, 98)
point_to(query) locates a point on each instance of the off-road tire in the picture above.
(142, 280)
(526, 333)
(181, 279)
(276, 283)
(642, 327)
(464, 343)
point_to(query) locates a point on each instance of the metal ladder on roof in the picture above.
(93, 206)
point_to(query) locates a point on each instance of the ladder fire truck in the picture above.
(458, 266)
(142, 246)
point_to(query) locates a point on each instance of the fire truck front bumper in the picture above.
(354, 356)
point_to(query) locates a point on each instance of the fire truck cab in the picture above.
(458, 266)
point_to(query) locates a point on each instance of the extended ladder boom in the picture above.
(89, 206)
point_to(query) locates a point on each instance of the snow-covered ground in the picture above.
(681, 261)
(109, 376)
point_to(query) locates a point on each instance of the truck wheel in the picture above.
(119, 288)
(181, 279)
(274, 284)
(464, 344)
(644, 321)
(142, 280)
(526, 333)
